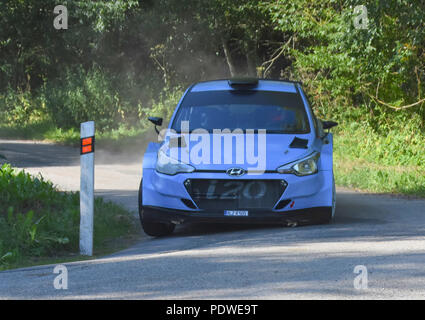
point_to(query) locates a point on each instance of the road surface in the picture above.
(382, 233)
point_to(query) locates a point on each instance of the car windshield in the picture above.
(277, 112)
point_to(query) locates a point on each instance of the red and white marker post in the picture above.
(87, 188)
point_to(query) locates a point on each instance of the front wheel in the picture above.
(329, 214)
(157, 229)
(333, 199)
(152, 228)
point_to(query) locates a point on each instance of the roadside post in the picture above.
(86, 188)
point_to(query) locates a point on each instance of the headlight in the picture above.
(302, 167)
(170, 166)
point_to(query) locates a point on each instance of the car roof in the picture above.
(263, 85)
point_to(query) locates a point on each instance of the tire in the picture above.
(152, 228)
(329, 214)
(333, 199)
(157, 229)
(326, 218)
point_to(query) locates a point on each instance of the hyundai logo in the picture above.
(236, 172)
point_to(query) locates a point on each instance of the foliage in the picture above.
(80, 96)
(21, 107)
(347, 67)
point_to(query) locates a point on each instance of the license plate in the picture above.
(236, 213)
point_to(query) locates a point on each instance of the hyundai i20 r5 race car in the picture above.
(239, 150)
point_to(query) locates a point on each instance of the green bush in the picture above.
(79, 96)
(18, 108)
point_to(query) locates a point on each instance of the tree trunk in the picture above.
(229, 59)
(251, 60)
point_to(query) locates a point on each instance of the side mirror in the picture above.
(156, 121)
(329, 124)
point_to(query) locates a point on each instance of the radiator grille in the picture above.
(225, 194)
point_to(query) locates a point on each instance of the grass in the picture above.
(393, 163)
(380, 179)
(40, 224)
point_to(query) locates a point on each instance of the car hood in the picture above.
(250, 152)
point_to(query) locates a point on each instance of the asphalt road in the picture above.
(383, 233)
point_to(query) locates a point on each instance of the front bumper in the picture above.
(165, 191)
(166, 215)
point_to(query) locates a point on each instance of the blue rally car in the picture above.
(236, 151)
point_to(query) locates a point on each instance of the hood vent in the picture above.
(299, 143)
